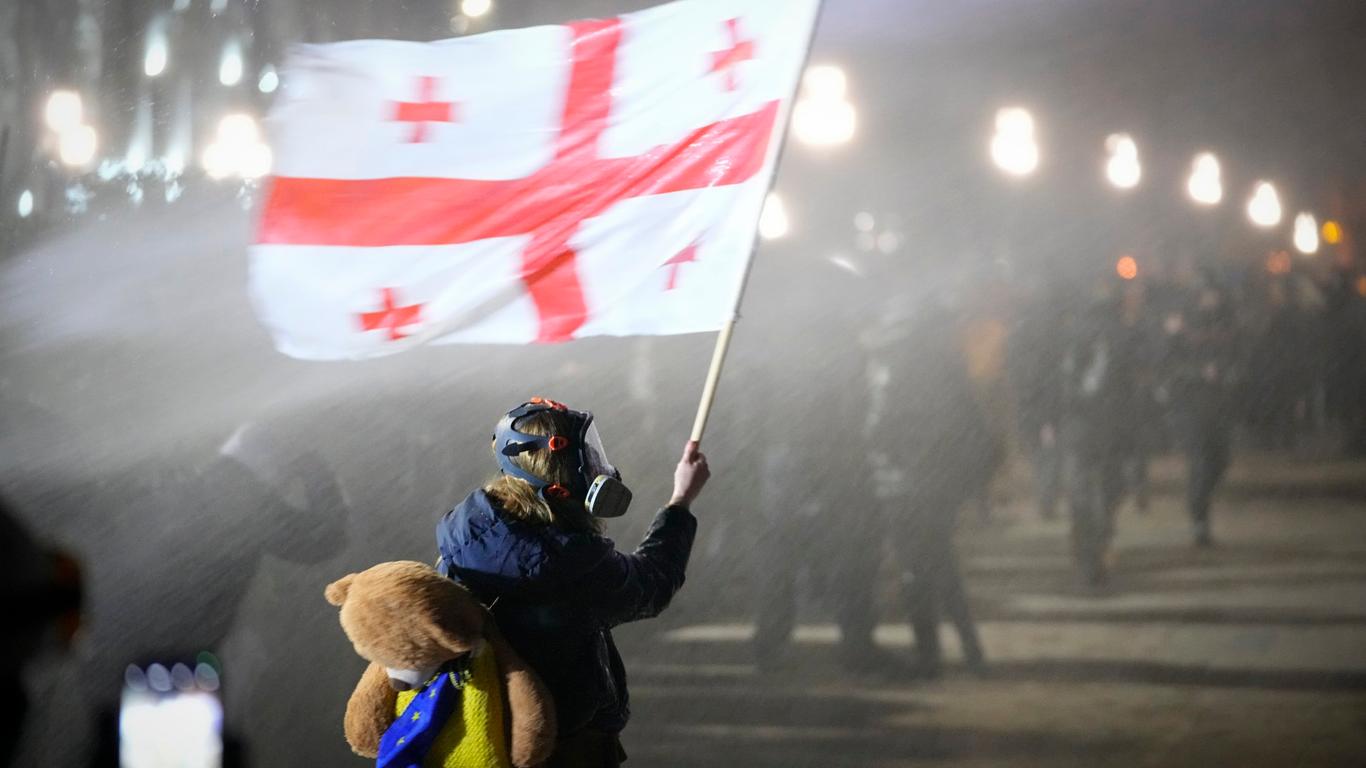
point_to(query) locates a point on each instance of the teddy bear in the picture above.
(443, 687)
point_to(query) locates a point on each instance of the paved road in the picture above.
(1252, 654)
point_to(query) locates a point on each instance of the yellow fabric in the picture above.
(473, 737)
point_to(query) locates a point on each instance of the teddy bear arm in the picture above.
(530, 709)
(370, 711)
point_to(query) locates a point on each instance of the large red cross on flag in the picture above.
(528, 185)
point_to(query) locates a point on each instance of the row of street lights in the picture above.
(1014, 149)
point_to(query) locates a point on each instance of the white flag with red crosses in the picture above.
(602, 177)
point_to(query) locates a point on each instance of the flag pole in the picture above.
(718, 358)
(718, 355)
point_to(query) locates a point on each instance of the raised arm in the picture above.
(641, 584)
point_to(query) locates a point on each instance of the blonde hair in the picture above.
(520, 501)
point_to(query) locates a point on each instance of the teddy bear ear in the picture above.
(337, 590)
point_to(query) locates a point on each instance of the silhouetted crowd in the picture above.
(1086, 382)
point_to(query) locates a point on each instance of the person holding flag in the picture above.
(540, 185)
(528, 545)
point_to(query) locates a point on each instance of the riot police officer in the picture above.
(932, 450)
(1197, 380)
(1097, 393)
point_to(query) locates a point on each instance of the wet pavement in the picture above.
(1252, 653)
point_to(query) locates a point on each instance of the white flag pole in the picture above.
(718, 355)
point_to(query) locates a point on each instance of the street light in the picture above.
(1123, 168)
(1013, 147)
(25, 203)
(1306, 234)
(822, 116)
(230, 67)
(237, 150)
(1204, 185)
(63, 111)
(76, 146)
(1264, 207)
(773, 222)
(154, 63)
(475, 8)
(269, 81)
(824, 124)
(824, 82)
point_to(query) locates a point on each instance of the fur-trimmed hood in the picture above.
(493, 555)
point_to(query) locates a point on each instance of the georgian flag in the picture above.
(603, 177)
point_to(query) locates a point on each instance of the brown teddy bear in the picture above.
(461, 694)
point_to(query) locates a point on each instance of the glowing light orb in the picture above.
(1122, 169)
(475, 8)
(77, 146)
(1127, 267)
(63, 111)
(1306, 235)
(230, 66)
(1013, 146)
(1264, 207)
(154, 63)
(1204, 185)
(1332, 232)
(268, 81)
(773, 221)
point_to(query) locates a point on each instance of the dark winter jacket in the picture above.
(556, 595)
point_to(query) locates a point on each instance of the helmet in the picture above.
(596, 482)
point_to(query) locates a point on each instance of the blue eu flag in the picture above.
(411, 735)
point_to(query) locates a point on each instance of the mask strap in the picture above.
(519, 444)
(516, 442)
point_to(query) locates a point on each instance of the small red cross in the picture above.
(389, 317)
(740, 50)
(685, 256)
(424, 111)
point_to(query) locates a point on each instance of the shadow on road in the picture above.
(778, 725)
(1181, 616)
(1102, 671)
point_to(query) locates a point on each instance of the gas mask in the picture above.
(596, 481)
